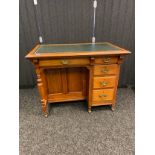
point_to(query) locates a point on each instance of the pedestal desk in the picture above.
(71, 72)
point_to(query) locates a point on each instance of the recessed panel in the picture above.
(54, 81)
(74, 79)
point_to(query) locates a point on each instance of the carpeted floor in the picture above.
(71, 130)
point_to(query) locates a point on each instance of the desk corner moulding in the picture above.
(82, 71)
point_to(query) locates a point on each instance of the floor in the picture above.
(71, 130)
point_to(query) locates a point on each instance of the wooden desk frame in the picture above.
(93, 62)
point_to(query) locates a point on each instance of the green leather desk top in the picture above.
(75, 48)
(42, 51)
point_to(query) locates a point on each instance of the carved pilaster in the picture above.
(41, 87)
(92, 60)
(90, 68)
(120, 59)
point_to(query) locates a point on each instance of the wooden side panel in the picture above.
(74, 79)
(64, 80)
(54, 81)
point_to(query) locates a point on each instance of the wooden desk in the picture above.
(70, 72)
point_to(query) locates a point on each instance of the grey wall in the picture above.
(70, 21)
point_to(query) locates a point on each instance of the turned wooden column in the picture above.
(90, 68)
(41, 87)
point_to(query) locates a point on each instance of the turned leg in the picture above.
(90, 68)
(113, 107)
(42, 88)
(45, 115)
(89, 109)
(44, 108)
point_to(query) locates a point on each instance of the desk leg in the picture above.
(113, 107)
(90, 68)
(116, 85)
(42, 90)
(44, 107)
(89, 109)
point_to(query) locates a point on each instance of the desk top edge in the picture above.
(32, 54)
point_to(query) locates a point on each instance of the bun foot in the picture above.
(113, 108)
(45, 115)
(89, 110)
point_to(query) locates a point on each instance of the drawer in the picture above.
(106, 60)
(64, 62)
(105, 69)
(104, 82)
(102, 95)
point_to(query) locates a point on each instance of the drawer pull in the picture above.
(64, 62)
(103, 83)
(106, 60)
(103, 95)
(105, 70)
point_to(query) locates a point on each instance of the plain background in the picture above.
(145, 77)
(71, 21)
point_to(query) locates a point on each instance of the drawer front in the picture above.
(106, 60)
(104, 82)
(64, 62)
(105, 69)
(103, 95)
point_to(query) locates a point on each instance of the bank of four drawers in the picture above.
(104, 83)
